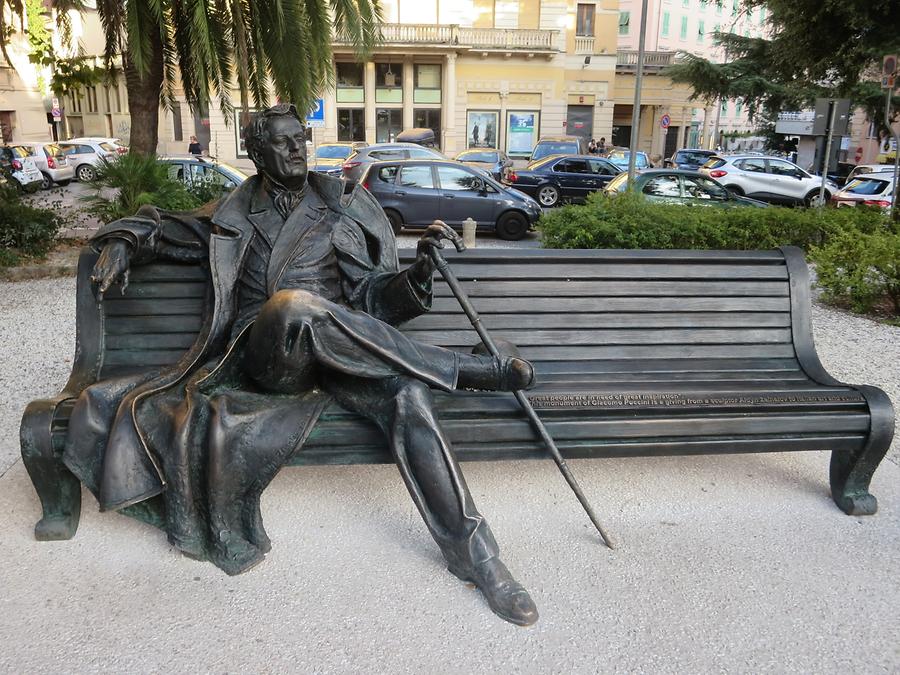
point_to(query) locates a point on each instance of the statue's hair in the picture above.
(256, 131)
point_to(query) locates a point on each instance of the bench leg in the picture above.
(58, 490)
(851, 472)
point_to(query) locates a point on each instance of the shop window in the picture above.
(351, 124)
(389, 83)
(429, 118)
(427, 83)
(388, 123)
(584, 24)
(350, 79)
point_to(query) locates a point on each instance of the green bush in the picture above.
(630, 221)
(861, 268)
(856, 250)
(128, 182)
(25, 230)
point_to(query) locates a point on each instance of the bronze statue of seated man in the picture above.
(306, 292)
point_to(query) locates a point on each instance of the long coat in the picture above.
(176, 446)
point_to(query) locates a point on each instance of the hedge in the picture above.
(857, 249)
(25, 231)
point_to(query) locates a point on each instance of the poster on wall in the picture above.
(481, 128)
(521, 132)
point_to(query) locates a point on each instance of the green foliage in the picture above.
(25, 231)
(856, 249)
(816, 49)
(124, 184)
(861, 268)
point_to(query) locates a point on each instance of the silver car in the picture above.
(769, 179)
(51, 162)
(85, 154)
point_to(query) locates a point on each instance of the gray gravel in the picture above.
(726, 563)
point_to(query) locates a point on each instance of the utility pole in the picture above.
(829, 134)
(896, 134)
(636, 109)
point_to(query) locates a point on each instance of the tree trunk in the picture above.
(144, 92)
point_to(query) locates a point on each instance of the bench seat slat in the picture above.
(672, 367)
(526, 336)
(591, 353)
(128, 306)
(169, 323)
(465, 270)
(486, 306)
(505, 289)
(162, 290)
(433, 321)
(150, 341)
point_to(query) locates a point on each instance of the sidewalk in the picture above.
(725, 563)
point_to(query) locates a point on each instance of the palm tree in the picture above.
(262, 46)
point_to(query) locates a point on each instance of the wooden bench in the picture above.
(636, 352)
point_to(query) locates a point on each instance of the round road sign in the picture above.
(664, 121)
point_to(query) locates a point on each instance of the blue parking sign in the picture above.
(316, 116)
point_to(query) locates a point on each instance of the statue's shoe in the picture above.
(235, 555)
(507, 373)
(507, 598)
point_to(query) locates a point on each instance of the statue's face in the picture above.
(284, 155)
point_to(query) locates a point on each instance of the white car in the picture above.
(17, 163)
(769, 179)
(86, 153)
(51, 162)
(874, 189)
(864, 169)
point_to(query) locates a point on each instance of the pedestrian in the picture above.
(195, 148)
(601, 146)
(592, 147)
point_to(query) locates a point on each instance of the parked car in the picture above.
(194, 169)
(419, 136)
(495, 162)
(20, 169)
(674, 186)
(874, 189)
(563, 177)
(85, 155)
(51, 162)
(620, 158)
(558, 145)
(329, 157)
(117, 143)
(356, 163)
(770, 179)
(416, 192)
(864, 169)
(689, 159)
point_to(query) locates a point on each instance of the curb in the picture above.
(29, 272)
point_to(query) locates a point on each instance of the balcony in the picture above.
(506, 40)
(584, 44)
(654, 62)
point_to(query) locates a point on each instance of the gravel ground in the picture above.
(727, 563)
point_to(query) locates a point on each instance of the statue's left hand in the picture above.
(433, 237)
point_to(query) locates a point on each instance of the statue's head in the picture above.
(276, 142)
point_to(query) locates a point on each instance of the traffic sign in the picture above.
(889, 64)
(664, 121)
(54, 109)
(316, 116)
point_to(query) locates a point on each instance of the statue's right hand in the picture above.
(112, 266)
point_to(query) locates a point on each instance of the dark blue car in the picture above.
(563, 177)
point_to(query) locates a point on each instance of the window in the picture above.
(662, 186)
(351, 124)
(719, 4)
(584, 24)
(685, 3)
(429, 118)
(387, 174)
(753, 165)
(624, 19)
(735, 5)
(349, 79)
(572, 166)
(762, 15)
(387, 154)
(423, 153)
(702, 188)
(724, 107)
(738, 106)
(703, 4)
(455, 179)
(701, 29)
(601, 168)
(484, 156)
(781, 168)
(75, 101)
(91, 99)
(683, 34)
(427, 87)
(388, 123)
(177, 131)
(416, 176)
(388, 74)
(665, 24)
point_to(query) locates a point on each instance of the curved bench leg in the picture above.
(58, 489)
(850, 472)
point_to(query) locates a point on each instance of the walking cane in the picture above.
(444, 267)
